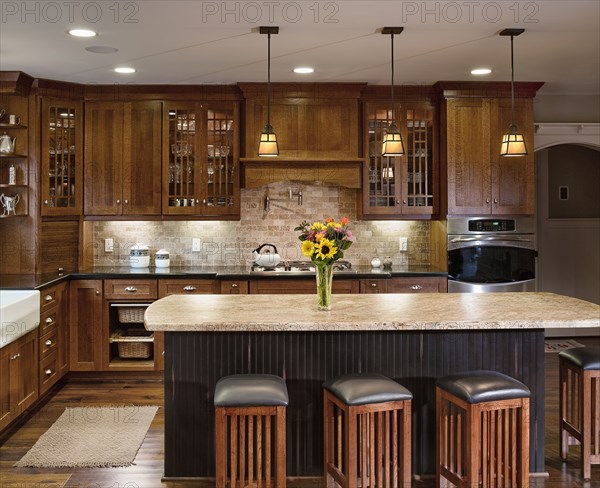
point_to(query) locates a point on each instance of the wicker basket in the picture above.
(129, 315)
(134, 343)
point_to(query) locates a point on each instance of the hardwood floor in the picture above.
(147, 470)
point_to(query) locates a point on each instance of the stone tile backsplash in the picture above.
(232, 242)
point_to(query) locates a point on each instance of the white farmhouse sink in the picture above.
(19, 314)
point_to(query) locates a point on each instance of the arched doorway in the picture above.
(568, 206)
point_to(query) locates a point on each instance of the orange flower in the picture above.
(344, 220)
(328, 219)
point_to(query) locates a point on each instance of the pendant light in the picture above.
(267, 145)
(513, 142)
(392, 140)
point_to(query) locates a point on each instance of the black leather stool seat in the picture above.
(483, 386)
(251, 390)
(361, 389)
(586, 358)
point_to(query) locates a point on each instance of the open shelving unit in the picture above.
(131, 346)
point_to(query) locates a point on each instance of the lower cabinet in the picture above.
(18, 377)
(86, 325)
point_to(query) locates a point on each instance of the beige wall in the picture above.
(566, 108)
(231, 242)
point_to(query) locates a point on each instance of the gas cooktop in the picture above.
(293, 268)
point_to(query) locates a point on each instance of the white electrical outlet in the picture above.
(196, 244)
(108, 245)
(403, 244)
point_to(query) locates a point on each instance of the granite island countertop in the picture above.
(423, 311)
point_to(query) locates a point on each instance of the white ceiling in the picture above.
(175, 42)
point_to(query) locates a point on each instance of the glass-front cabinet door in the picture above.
(405, 184)
(201, 164)
(62, 160)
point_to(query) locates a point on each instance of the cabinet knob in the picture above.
(45, 202)
(48, 372)
(234, 285)
(126, 202)
(118, 202)
(416, 287)
(97, 292)
(487, 201)
(204, 202)
(404, 202)
(49, 320)
(398, 202)
(48, 342)
(189, 288)
(496, 201)
(48, 298)
(374, 285)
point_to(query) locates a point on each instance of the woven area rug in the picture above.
(557, 345)
(91, 437)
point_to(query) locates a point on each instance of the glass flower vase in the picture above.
(324, 274)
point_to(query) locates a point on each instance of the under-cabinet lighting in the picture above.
(304, 70)
(481, 71)
(125, 70)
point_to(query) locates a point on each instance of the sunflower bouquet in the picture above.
(325, 242)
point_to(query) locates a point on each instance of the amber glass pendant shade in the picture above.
(513, 143)
(393, 145)
(267, 146)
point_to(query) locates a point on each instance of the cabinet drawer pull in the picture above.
(189, 288)
(416, 287)
(374, 285)
(131, 289)
(16, 356)
(234, 285)
(48, 372)
(49, 320)
(48, 298)
(48, 342)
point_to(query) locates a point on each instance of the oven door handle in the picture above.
(492, 238)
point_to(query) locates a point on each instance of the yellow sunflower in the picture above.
(317, 226)
(325, 249)
(308, 248)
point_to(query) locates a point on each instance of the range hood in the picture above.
(346, 172)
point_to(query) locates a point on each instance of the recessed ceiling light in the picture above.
(82, 33)
(125, 70)
(102, 49)
(481, 71)
(304, 70)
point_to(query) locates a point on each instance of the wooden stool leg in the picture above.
(525, 422)
(562, 399)
(407, 445)
(221, 447)
(351, 455)
(586, 442)
(473, 437)
(280, 448)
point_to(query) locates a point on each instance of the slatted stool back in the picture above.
(579, 398)
(250, 431)
(367, 432)
(482, 431)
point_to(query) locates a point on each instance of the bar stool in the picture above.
(579, 379)
(482, 430)
(250, 426)
(367, 426)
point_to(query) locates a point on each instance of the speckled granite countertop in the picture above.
(423, 311)
(29, 281)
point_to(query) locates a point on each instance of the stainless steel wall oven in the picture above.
(491, 254)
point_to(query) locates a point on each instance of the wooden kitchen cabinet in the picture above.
(123, 143)
(61, 157)
(201, 172)
(405, 185)
(303, 286)
(18, 377)
(86, 325)
(479, 181)
(187, 287)
(53, 335)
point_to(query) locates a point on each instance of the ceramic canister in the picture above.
(139, 256)
(162, 258)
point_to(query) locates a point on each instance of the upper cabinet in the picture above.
(313, 121)
(478, 181)
(201, 159)
(61, 157)
(123, 160)
(407, 185)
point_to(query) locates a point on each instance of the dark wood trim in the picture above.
(162, 92)
(402, 93)
(60, 89)
(15, 83)
(478, 89)
(302, 90)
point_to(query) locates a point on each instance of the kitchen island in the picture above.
(413, 339)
